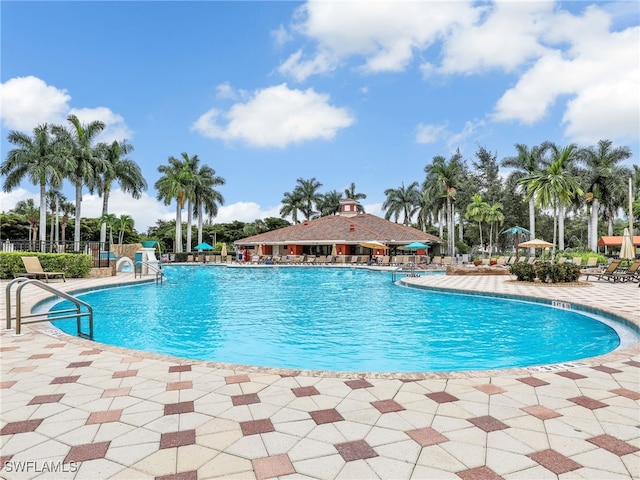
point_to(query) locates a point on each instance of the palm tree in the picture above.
(552, 187)
(330, 203)
(172, 186)
(493, 215)
(66, 208)
(444, 177)
(351, 193)
(123, 225)
(27, 208)
(309, 196)
(206, 197)
(54, 199)
(606, 181)
(110, 221)
(402, 201)
(477, 211)
(36, 158)
(82, 161)
(116, 167)
(526, 162)
(189, 179)
(291, 205)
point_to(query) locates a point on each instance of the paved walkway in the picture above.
(71, 408)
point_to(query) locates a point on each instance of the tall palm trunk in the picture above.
(78, 216)
(105, 210)
(595, 212)
(561, 212)
(43, 218)
(178, 245)
(189, 222)
(532, 223)
(555, 228)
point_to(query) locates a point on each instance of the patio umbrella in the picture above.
(627, 250)
(516, 231)
(334, 252)
(259, 250)
(415, 246)
(373, 244)
(223, 253)
(536, 243)
(203, 246)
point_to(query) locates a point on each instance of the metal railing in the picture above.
(100, 251)
(137, 270)
(76, 312)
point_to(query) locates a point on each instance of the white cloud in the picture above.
(276, 117)
(281, 36)
(430, 133)
(28, 102)
(386, 34)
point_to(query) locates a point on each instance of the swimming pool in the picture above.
(338, 319)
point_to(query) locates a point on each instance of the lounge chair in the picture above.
(607, 274)
(384, 260)
(577, 261)
(632, 274)
(562, 260)
(34, 270)
(437, 260)
(502, 261)
(446, 261)
(592, 262)
(531, 261)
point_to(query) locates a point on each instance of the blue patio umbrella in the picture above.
(415, 246)
(203, 246)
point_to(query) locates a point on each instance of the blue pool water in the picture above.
(339, 319)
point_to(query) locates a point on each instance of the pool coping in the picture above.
(616, 355)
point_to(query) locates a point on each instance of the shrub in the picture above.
(73, 265)
(523, 271)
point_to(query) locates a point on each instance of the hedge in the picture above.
(546, 272)
(73, 265)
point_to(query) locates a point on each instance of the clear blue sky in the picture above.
(363, 92)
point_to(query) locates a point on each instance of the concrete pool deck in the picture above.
(72, 408)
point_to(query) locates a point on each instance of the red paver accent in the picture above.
(330, 415)
(237, 379)
(245, 399)
(360, 383)
(533, 381)
(175, 408)
(4, 459)
(543, 413)
(88, 451)
(20, 427)
(94, 351)
(192, 475)
(179, 368)
(183, 385)
(488, 423)
(442, 397)
(633, 363)
(7, 384)
(55, 345)
(605, 369)
(427, 436)
(79, 364)
(60, 380)
(46, 399)
(489, 389)
(270, 467)
(116, 392)
(571, 375)
(23, 369)
(125, 373)
(38, 356)
(625, 392)
(106, 416)
(356, 450)
(586, 402)
(254, 427)
(8, 349)
(479, 473)
(613, 445)
(177, 439)
(554, 461)
(305, 391)
(130, 360)
(387, 406)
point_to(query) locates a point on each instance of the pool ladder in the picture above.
(137, 270)
(75, 312)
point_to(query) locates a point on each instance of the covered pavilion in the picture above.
(340, 234)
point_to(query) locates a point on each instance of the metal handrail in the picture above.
(76, 312)
(402, 270)
(158, 271)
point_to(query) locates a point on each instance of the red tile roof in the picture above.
(342, 229)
